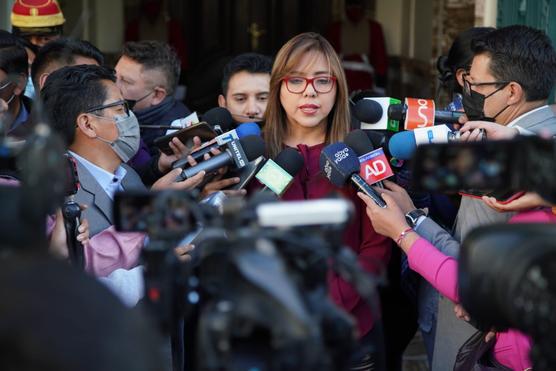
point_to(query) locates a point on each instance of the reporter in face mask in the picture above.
(84, 105)
(13, 79)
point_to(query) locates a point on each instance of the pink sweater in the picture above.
(512, 347)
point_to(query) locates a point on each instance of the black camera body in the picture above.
(258, 280)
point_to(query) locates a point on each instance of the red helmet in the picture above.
(37, 17)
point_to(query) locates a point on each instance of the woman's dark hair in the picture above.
(459, 56)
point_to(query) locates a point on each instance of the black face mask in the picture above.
(132, 102)
(474, 105)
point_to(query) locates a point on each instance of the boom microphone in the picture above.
(340, 164)
(237, 153)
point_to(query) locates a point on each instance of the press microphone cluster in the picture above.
(243, 130)
(237, 153)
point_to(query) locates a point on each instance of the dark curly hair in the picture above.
(70, 91)
(521, 54)
(459, 56)
(156, 55)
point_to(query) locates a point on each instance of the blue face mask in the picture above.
(29, 89)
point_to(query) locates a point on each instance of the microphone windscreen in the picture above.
(248, 128)
(368, 111)
(338, 162)
(402, 145)
(359, 142)
(396, 112)
(377, 139)
(219, 116)
(290, 160)
(253, 146)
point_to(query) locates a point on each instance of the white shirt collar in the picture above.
(108, 181)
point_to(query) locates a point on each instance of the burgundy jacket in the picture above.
(373, 249)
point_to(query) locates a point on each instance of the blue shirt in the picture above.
(108, 181)
(21, 117)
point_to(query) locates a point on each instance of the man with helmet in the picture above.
(38, 21)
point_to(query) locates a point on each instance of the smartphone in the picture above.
(202, 130)
(161, 214)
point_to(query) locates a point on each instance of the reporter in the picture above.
(512, 347)
(84, 105)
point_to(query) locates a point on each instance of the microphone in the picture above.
(278, 174)
(374, 164)
(402, 145)
(340, 164)
(238, 152)
(71, 212)
(372, 112)
(243, 130)
(421, 113)
(219, 118)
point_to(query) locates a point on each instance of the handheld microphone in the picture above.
(71, 212)
(372, 113)
(421, 113)
(177, 124)
(402, 145)
(219, 118)
(340, 164)
(278, 174)
(237, 153)
(243, 130)
(374, 164)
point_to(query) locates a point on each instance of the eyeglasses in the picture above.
(121, 103)
(298, 84)
(467, 85)
(5, 85)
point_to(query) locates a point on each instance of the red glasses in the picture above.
(298, 84)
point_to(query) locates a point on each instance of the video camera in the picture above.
(259, 280)
(525, 163)
(507, 273)
(38, 174)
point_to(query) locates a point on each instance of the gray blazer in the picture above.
(99, 211)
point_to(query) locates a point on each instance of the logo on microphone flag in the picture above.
(274, 177)
(375, 166)
(419, 114)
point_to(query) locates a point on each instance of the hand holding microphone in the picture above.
(479, 130)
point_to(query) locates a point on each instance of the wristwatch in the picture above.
(413, 216)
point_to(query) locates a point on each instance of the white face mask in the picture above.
(127, 143)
